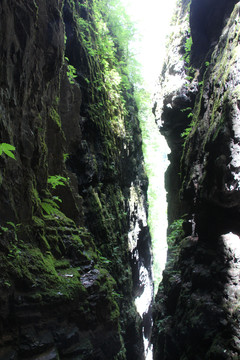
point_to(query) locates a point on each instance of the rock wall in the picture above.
(196, 313)
(68, 279)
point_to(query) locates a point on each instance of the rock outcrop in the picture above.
(66, 287)
(197, 306)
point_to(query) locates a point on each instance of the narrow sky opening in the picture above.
(152, 19)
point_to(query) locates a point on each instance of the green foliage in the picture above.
(105, 33)
(55, 116)
(186, 109)
(104, 260)
(14, 252)
(189, 78)
(71, 72)
(188, 130)
(14, 226)
(188, 47)
(116, 295)
(50, 206)
(65, 157)
(176, 232)
(3, 229)
(7, 150)
(57, 180)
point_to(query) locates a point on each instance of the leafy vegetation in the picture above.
(188, 129)
(56, 180)
(7, 150)
(50, 206)
(176, 232)
(188, 47)
(105, 31)
(71, 72)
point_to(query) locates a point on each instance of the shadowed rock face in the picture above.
(207, 19)
(67, 282)
(196, 313)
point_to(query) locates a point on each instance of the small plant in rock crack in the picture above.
(188, 47)
(71, 72)
(189, 78)
(14, 252)
(104, 260)
(56, 180)
(7, 150)
(176, 232)
(188, 109)
(65, 157)
(50, 206)
(188, 130)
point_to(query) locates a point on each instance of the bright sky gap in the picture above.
(152, 20)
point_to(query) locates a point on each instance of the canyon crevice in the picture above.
(74, 239)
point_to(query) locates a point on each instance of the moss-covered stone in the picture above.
(191, 315)
(66, 272)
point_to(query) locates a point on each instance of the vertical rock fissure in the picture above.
(141, 263)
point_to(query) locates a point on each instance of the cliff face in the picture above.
(72, 195)
(197, 307)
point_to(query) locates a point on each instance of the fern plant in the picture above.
(56, 180)
(71, 72)
(50, 206)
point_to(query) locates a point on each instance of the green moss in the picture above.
(44, 243)
(106, 284)
(215, 77)
(35, 200)
(62, 264)
(114, 313)
(40, 272)
(38, 222)
(56, 101)
(36, 9)
(54, 279)
(77, 239)
(96, 201)
(55, 116)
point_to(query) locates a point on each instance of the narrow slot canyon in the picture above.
(119, 180)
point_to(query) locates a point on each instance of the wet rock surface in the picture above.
(196, 314)
(67, 280)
